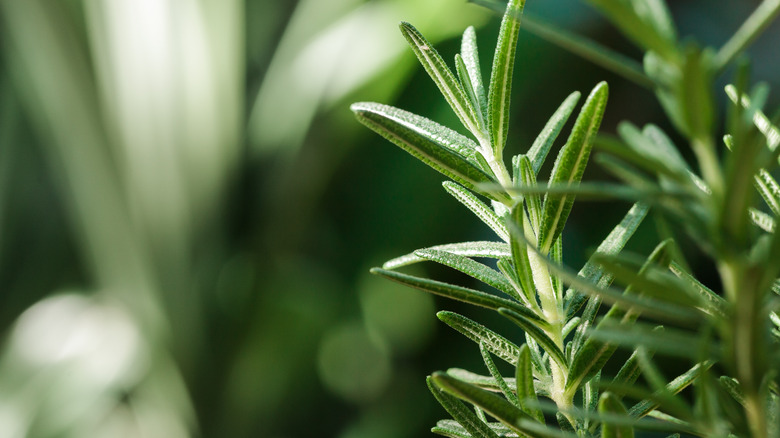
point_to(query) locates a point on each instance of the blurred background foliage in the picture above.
(188, 210)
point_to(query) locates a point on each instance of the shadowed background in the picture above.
(188, 210)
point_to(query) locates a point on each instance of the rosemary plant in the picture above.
(726, 335)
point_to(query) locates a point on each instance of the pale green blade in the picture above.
(533, 201)
(468, 50)
(494, 250)
(570, 165)
(769, 189)
(482, 211)
(443, 78)
(762, 122)
(465, 81)
(441, 148)
(500, 88)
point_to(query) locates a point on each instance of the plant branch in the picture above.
(756, 23)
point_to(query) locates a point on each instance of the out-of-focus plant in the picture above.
(724, 336)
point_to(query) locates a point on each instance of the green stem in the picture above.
(752, 27)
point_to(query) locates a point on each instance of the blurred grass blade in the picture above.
(443, 78)
(460, 412)
(482, 211)
(758, 21)
(534, 330)
(491, 366)
(647, 23)
(589, 50)
(500, 87)
(437, 146)
(451, 291)
(471, 268)
(672, 342)
(570, 165)
(524, 380)
(675, 386)
(544, 141)
(470, 54)
(494, 405)
(494, 250)
(611, 405)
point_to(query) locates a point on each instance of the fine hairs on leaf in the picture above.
(726, 202)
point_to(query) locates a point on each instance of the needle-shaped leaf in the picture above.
(451, 291)
(465, 81)
(544, 141)
(500, 88)
(471, 268)
(762, 122)
(441, 148)
(533, 202)
(450, 429)
(769, 189)
(520, 256)
(495, 343)
(482, 211)
(612, 244)
(486, 382)
(493, 250)
(468, 50)
(534, 330)
(489, 402)
(460, 412)
(524, 380)
(570, 165)
(762, 220)
(491, 366)
(609, 404)
(443, 78)
(711, 302)
(675, 386)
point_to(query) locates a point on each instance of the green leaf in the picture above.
(497, 407)
(451, 291)
(491, 366)
(532, 201)
(675, 386)
(769, 189)
(612, 244)
(488, 382)
(611, 405)
(671, 342)
(535, 330)
(520, 256)
(594, 354)
(468, 50)
(441, 148)
(494, 250)
(544, 141)
(500, 88)
(524, 380)
(762, 122)
(460, 412)
(471, 268)
(647, 23)
(495, 343)
(482, 211)
(762, 220)
(589, 50)
(711, 303)
(468, 87)
(450, 429)
(570, 165)
(443, 78)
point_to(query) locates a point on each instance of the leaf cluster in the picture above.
(573, 322)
